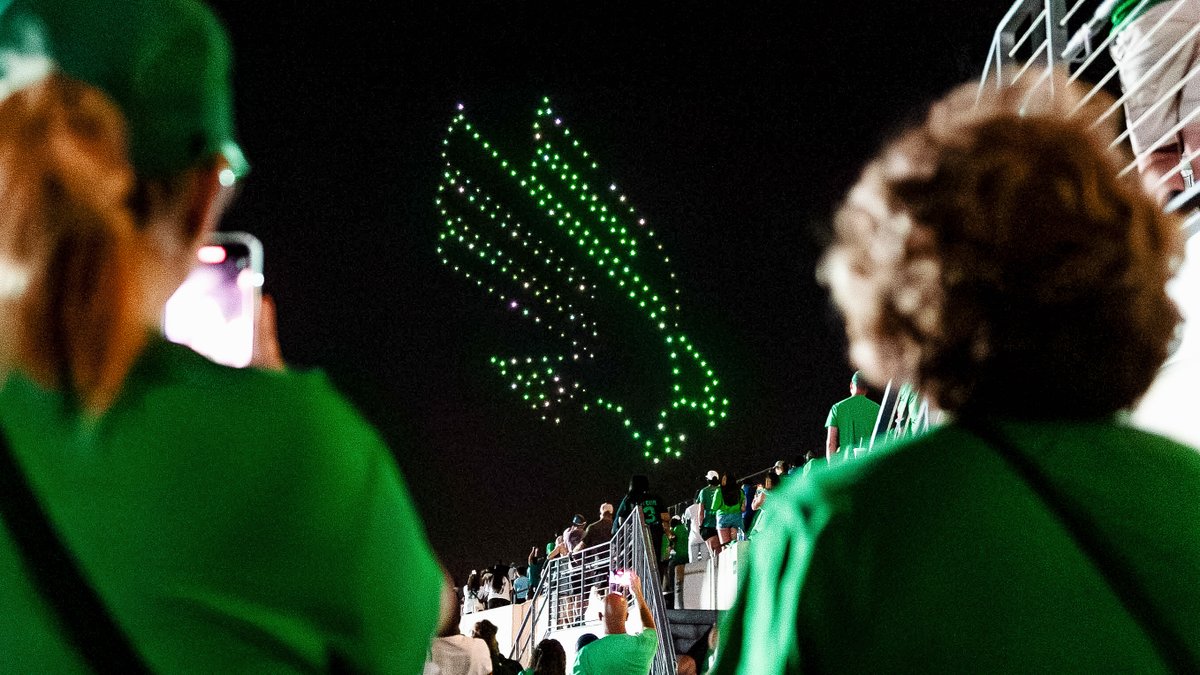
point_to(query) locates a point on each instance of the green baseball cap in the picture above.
(857, 379)
(166, 63)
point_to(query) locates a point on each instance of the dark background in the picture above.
(735, 127)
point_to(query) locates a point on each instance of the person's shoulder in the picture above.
(887, 473)
(294, 418)
(170, 374)
(1123, 433)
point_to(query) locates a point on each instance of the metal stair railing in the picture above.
(562, 596)
(1036, 32)
(522, 641)
(632, 548)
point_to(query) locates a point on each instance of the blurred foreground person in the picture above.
(994, 260)
(219, 520)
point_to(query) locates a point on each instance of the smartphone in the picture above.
(620, 578)
(216, 308)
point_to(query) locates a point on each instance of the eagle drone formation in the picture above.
(565, 247)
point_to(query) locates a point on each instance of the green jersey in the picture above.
(723, 508)
(231, 520)
(934, 556)
(618, 655)
(854, 418)
(705, 497)
(680, 533)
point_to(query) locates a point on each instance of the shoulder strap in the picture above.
(1169, 645)
(81, 613)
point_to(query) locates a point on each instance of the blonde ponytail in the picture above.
(66, 222)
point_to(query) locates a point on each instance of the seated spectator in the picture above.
(618, 653)
(992, 256)
(601, 531)
(501, 665)
(549, 658)
(220, 519)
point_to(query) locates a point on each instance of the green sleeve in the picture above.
(648, 643)
(831, 421)
(761, 634)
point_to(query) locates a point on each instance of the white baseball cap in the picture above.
(712, 474)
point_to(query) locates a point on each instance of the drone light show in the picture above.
(558, 245)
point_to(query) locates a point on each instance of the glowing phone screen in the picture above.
(214, 310)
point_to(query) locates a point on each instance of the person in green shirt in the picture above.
(618, 653)
(728, 504)
(851, 421)
(228, 520)
(706, 497)
(1021, 285)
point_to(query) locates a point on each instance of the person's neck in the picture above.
(619, 629)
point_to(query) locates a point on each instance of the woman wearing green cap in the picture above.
(210, 519)
(991, 256)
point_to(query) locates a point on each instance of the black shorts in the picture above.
(708, 532)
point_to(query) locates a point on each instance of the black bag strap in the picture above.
(54, 571)
(1172, 649)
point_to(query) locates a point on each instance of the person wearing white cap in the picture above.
(708, 512)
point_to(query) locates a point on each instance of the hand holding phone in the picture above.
(216, 309)
(266, 352)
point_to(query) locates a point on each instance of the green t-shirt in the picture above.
(1122, 12)
(680, 532)
(705, 498)
(735, 507)
(855, 419)
(231, 520)
(618, 655)
(933, 556)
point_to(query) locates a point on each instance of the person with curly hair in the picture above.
(991, 256)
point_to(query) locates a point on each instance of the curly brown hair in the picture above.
(992, 256)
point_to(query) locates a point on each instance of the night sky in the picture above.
(736, 129)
